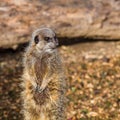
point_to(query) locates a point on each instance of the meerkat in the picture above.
(43, 79)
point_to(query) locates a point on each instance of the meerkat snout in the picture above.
(45, 39)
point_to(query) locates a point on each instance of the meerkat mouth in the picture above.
(52, 48)
(49, 50)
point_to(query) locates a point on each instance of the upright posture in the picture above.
(43, 78)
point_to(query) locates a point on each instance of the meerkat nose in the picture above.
(57, 43)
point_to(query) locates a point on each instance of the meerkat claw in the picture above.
(40, 89)
(37, 89)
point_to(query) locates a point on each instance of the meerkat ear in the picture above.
(36, 39)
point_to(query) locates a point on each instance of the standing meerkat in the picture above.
(43, 82)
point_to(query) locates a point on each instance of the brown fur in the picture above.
(39, 68)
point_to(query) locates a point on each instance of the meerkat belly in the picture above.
(28, 97)
(43, 116)
(35, 103)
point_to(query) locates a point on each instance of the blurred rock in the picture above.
(96, 19)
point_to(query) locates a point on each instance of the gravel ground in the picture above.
(93, 77)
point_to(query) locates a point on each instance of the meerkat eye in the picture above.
(47, 39)
(36, 39)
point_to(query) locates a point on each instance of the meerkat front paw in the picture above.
(37, 88)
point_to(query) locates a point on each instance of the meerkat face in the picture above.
(45, 39)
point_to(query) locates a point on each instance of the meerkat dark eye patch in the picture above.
(47, 39)
(36, 39)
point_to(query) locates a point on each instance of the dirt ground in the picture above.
(93, 77)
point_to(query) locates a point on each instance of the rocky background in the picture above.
(98, 19)
(89, 34)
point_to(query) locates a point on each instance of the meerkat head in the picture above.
(44, 39)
